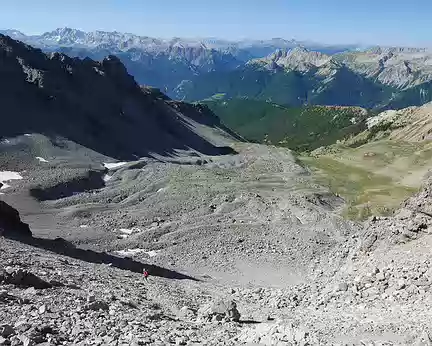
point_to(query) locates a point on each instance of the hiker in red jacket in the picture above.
(146, 274)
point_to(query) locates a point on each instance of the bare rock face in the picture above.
(219, 310)
(10, 222)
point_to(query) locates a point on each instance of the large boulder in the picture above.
(10, 222)
(220, 310)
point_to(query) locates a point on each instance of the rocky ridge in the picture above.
(99, 100)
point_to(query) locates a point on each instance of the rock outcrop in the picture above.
(10, 222)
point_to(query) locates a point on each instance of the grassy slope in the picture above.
(299, 128)
(375, 177)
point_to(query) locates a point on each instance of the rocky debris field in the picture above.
(241, 250)
(46, 299)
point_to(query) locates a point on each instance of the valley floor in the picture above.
(253, 227)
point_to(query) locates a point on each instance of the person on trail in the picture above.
(146, 274)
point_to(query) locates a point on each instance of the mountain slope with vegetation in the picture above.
(381, 166)
(298, 128)
(332, 85)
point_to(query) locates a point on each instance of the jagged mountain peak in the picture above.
(60, 34)
(299, 58)
(15, 34)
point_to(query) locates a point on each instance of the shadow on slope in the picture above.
(95, 104)
(90, 181)
(62, 247)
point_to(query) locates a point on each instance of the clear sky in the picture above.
(387, 22)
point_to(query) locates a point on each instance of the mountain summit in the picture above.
(299, 59)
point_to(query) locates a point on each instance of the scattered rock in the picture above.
(219, 311)
(97, 305)
(42, 309)
(187, 313)
(91, 298)
(424, 340)
(6, 330)
(342, 287)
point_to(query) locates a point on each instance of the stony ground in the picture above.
(247, 234)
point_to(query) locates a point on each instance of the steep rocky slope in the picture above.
(402, 68)
(95, 104)
(409, 124)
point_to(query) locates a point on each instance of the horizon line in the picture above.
(230, 40)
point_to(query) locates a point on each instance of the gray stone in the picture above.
(219, 309)
(25, 340)
(97, 305)
(42, 309)
(401, 284)
(380, 277)
(342, 287)
(91, 298)
(186, 313)
(6, 330)
(424, 340)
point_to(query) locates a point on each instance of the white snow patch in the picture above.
(132, 252)
(27, 134)
(41, 159)
(129, 252)
(8, 176)
(114, 164)
(107, 177)
(152, 253)
(83, 226)
(130, 231)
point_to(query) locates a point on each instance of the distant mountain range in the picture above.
(68, 37)
(163, 63)
(373, 79)
(286, 72)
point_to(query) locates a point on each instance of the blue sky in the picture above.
(390, 22)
